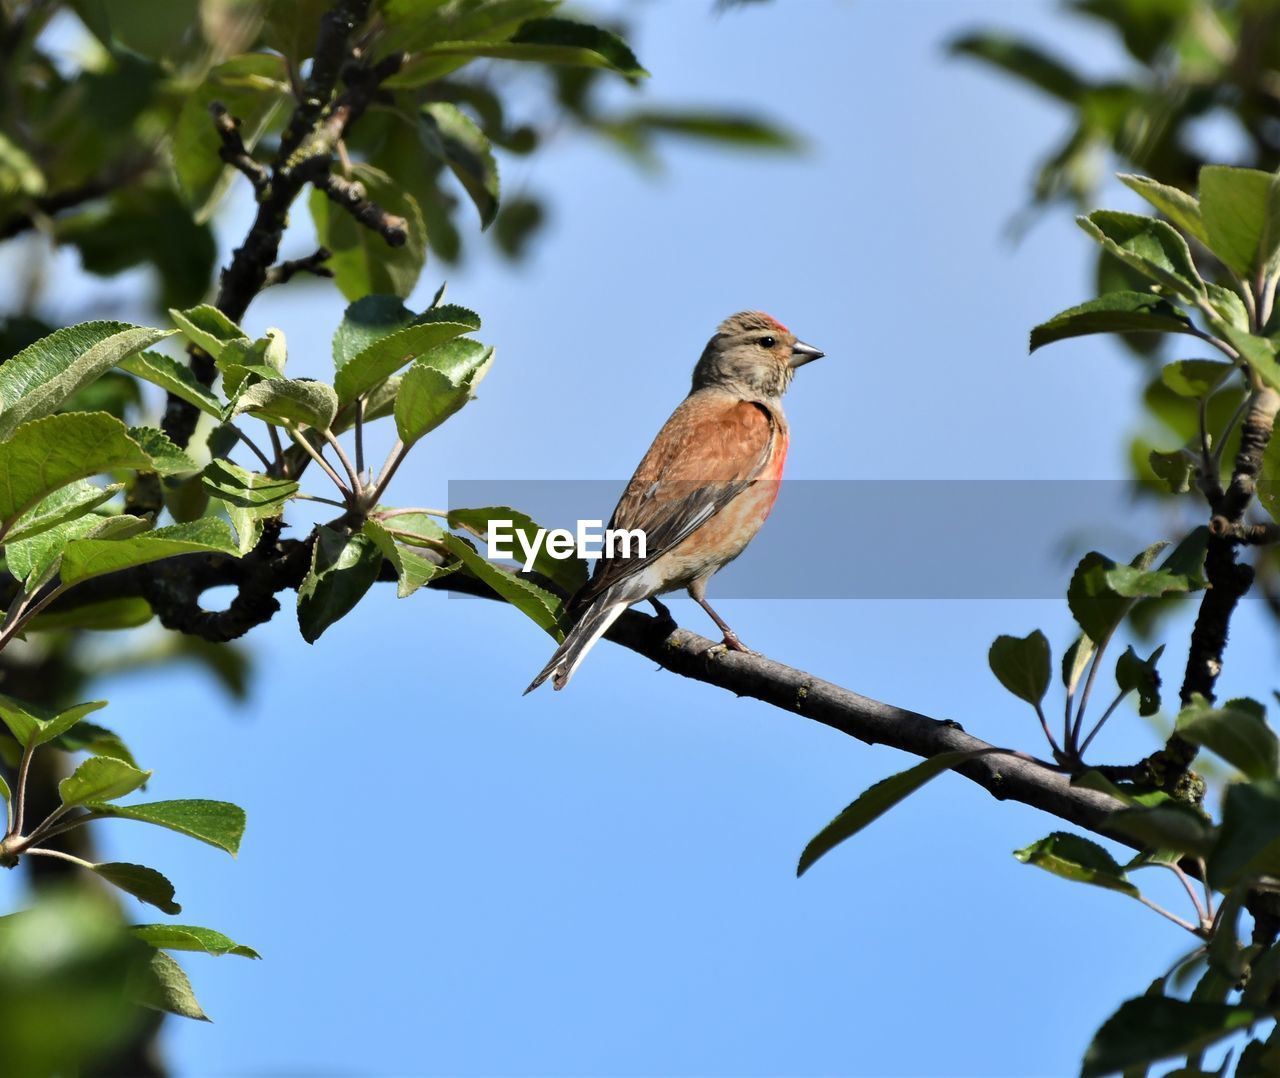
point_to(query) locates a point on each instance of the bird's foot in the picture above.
(730, 643)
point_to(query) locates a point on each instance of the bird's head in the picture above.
(752, 352)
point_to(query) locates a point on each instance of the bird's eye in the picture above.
(767, 342)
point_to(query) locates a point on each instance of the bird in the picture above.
(703, 489)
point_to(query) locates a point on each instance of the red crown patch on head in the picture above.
(776, 322)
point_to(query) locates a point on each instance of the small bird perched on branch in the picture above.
(703, 489)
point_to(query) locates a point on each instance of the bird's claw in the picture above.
(728, 644)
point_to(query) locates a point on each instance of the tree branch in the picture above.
(351, 196)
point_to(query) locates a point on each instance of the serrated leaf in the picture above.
(249, 497)
(97, 740)
(37, 559)
(289, 402)
(1027, 62)
(165, 987)
(167, 937)
(362, 261)
(143, 883)
(1241, 211)
(219, 823)
(1022, 665)
(451, 136)
(1150, 246)
(1181, 208)
(1249, 837)
(173, 377)
(1151, 1028)
(416, 529)
(1168, 826)
(876, 800)
(85, 558)
(33, 725)
(343, 568)
(166, 457)
(1195, 378)
(1075, 661)
(412, 569)
(47, 454)
(1237, 732)
(539, 604)
(1076, 858)
(426, 398)
(1176, 471)
(100, 778)
(1115, 312)
(75, 500)
(208, 328)
(40, 378)
(544, 41)
(386, 355)
(365, 321)
(569, 573)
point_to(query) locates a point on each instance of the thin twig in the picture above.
(314, 264)
(311, 451)
(359, 425)
(20, 795)
(1185, 880)
(357, 487)
(393, 461)
(1193, 929)
(252, 446)
(1105, 716)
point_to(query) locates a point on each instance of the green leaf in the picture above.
(544, 41)
(166, 457)
(343, 568)
(124, 613)
(412, 569)
(1075, 661)
(219, 823)
(569, 574)
(290, 402)
(92, 738)
(452, 137)
(85, 558)
(33, 725)
(1115, 312)
(143, 883)
(45, 374)
(165, 987)
(383, 357)
(1249, 838)
(5, 793)
(367, 320)
(438, 385)
(875, 801)
(1176, 471)
(1151, 1028)
(1237, 732)
(1140, 674)
(1181, 208)
(1022, 665)
(1095, 605)
(362, 261)
(1150, 246)
(37, 560)
(1195, 378)
(1076, 858)
(255, 89)
(47, 454)
(168, 937)
(208, 328)
(1023, 61)
(1170, 825)
(250, 497)
(174, 378)
(1241, 210)
(535, 602)
(100, 778)
(68, 503)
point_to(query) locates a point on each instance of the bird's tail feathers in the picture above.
(593, 623)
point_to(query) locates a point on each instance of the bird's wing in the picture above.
(709, 451)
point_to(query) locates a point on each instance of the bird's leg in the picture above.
(731, 640)
(664, 614)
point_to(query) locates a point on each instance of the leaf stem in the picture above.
(276, 447)
(387, 514)
(1191, 893)
(360, 434)
(1044, 725)
(314, 454)
(394, 459)
(1105, 716)
(1171, 916)
(41, 852)
(20, 794)
(357, 488)
(316, 498)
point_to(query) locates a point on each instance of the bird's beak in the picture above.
(802, 353)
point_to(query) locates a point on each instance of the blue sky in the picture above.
(445, 878)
